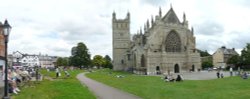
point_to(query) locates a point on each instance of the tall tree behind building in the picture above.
(206, 59)
(204, 53)
(62, 61)
(245, 57)
(98, 61)
(108, 62)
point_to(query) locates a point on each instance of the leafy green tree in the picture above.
(65, 61)
(59, 61)
(108, 63)
(207, 64)
(234, 60)
(62, 61)
(98, 61)
(204, 53)
(245, 56)
(80, 55)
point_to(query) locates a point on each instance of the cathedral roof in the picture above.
(171, 17)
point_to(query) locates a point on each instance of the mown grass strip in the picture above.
(153, 87)
(60, 88)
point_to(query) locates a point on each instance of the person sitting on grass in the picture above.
(120, 76)
(12, 82)
(66, 73)
(244, 75)
(171, 78)
(179, 78)
(166, 78)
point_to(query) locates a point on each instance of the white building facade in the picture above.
(18, 59)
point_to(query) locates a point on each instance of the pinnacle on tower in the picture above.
(140, 31)
(192, 30)
(152, 20)
(145, 28)
(184, 17)
(128, 15)
(147, 24)
(160, 12)
(114, 15)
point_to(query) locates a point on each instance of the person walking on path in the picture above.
(231, 71)
(57, 72)
(103, 91)
(221, 75)
(218, 74)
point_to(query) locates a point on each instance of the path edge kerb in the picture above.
(84, 85)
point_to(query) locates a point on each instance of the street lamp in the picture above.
(6, 31)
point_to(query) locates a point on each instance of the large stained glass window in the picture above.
(173, 42)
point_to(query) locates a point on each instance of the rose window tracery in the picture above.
(173, 42)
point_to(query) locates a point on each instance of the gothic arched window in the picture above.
(143, 60)
(173, 42)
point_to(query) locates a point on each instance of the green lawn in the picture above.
(61, 88)
(153, 87)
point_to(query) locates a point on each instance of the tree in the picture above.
(62, 61)
(108, 63)
(234, 60)
(98, 61)
(204, 53)
(207, 64)
(80, 55)
(59, 61)
(245, 56)
(65, 61)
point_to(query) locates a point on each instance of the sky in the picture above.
(53, 27)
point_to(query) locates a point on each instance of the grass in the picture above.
(60, 88)
(153, 87)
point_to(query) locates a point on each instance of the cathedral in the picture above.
(165, 45)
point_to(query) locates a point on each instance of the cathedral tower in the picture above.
(121, 41)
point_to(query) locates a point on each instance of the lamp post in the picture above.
(6, 31)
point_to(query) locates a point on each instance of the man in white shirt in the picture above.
(231, 71)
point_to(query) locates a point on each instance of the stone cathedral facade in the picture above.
(166, 45)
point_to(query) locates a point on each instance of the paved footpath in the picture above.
(103, 91)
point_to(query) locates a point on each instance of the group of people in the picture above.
(58, 73)
(243, 74)
(15, 77)
(220, 74)
(170, 78)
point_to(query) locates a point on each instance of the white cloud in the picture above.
(54, 26)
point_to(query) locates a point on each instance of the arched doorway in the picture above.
(158, 70)
(193, 67)
(176, 68)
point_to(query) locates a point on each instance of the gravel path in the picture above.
(203, 75)
(103, 91)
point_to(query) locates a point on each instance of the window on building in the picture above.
(122, 61)
(173, 42)
(142, 60)
(129, 56)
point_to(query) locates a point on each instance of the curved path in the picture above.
(103, 91)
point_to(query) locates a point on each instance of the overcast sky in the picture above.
(53, 27)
